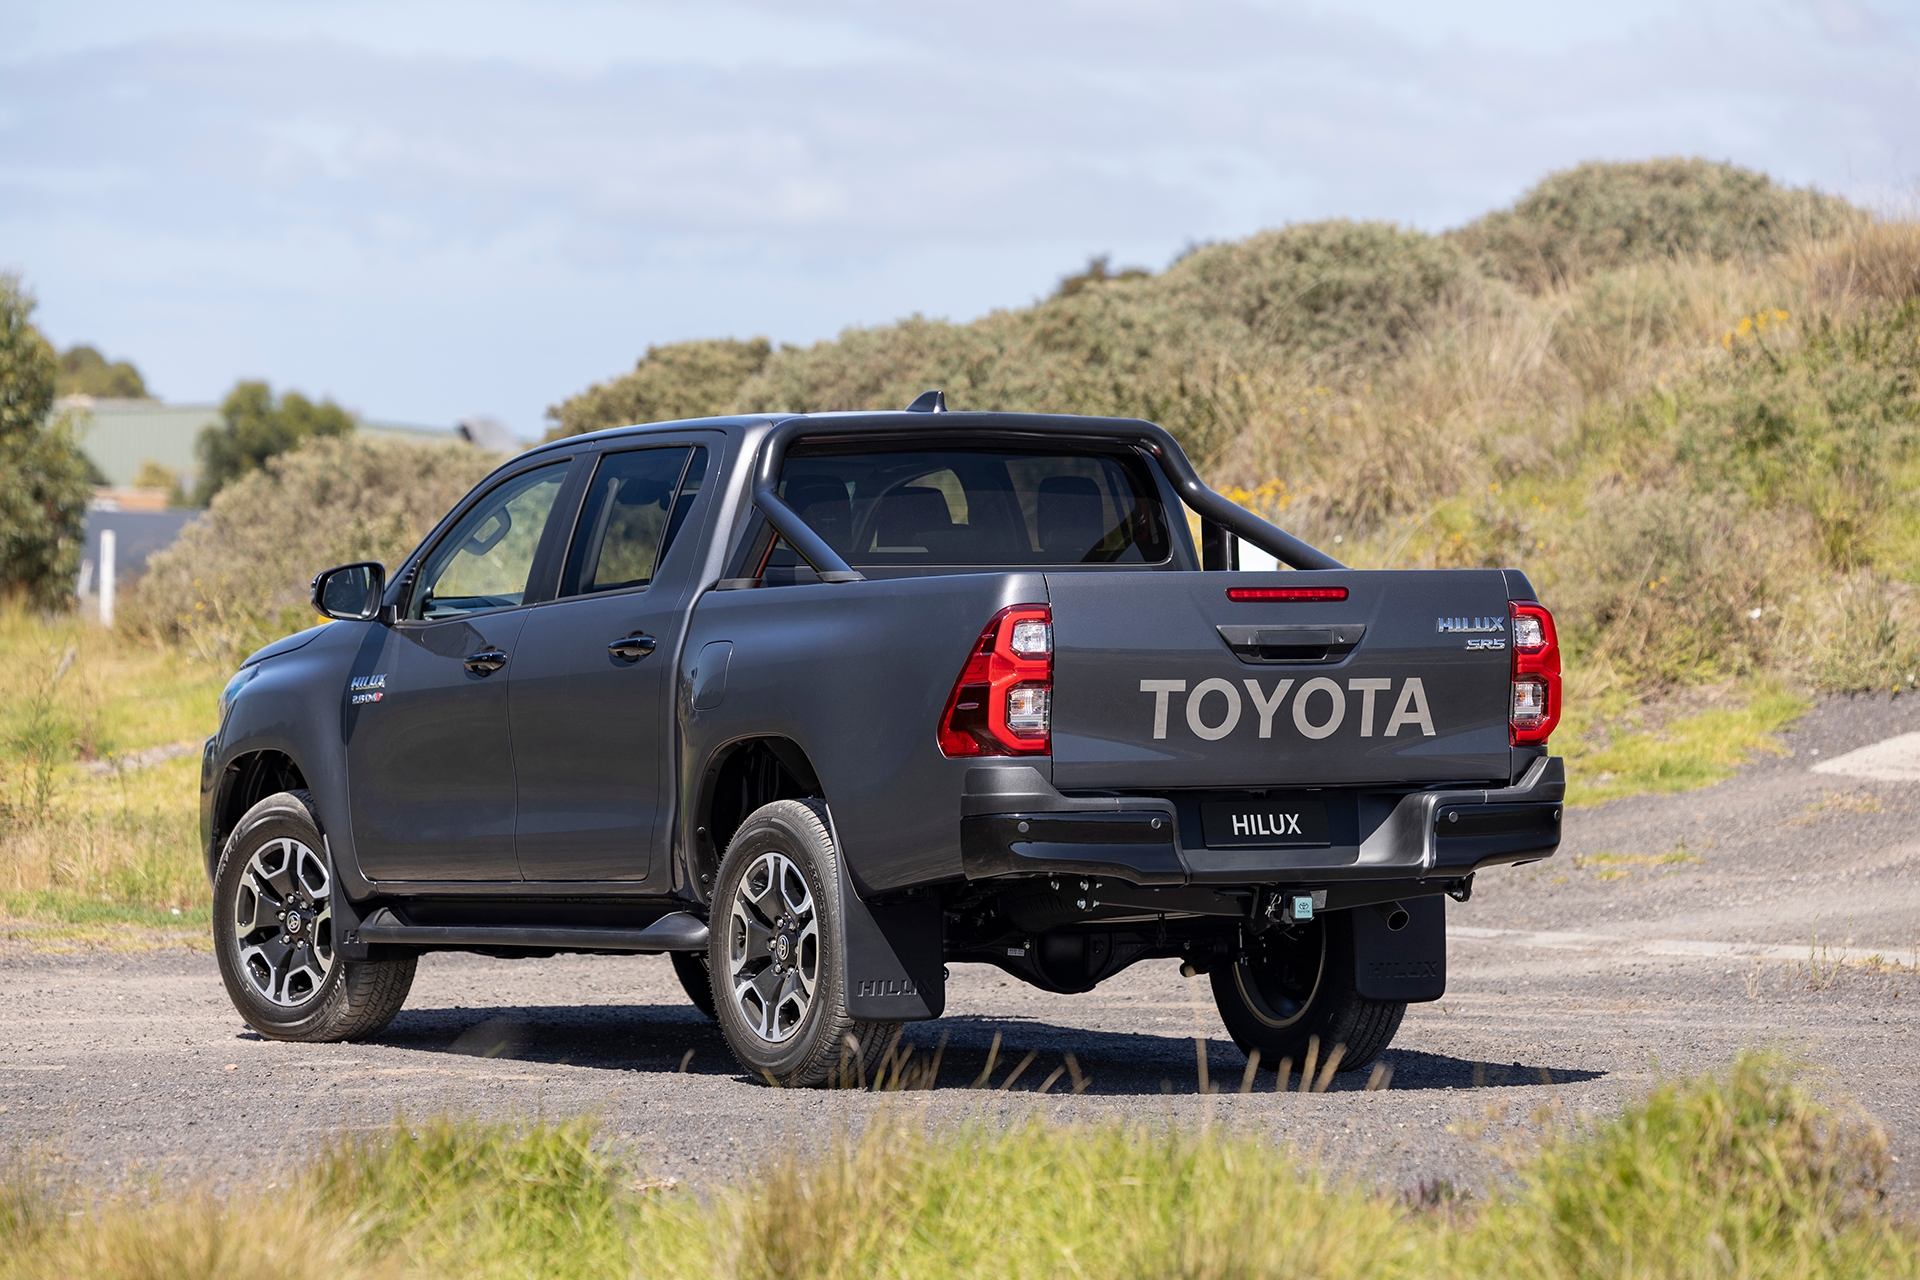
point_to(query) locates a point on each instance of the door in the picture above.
(591, 698)
(429, 756)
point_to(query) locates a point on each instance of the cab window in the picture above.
(635, 505)
(486, 561)
(974, 506)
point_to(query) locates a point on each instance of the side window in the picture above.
(486, 561)
(636, 504)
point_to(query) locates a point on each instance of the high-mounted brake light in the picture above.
(1536, 675)
(1286, 593)
(1002, 703)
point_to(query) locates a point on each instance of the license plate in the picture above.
(1275, 821)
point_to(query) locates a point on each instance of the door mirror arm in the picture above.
(352, 592)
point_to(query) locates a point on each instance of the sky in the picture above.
(436, 209)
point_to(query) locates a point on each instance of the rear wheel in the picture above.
(273, 933)
(1298, 983)
(778, 981)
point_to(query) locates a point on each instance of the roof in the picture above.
(119, 435)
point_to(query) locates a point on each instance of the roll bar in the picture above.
(1156, 440)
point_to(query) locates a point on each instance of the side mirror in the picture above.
(350, 592)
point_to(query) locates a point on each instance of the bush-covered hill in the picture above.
(1681, 396)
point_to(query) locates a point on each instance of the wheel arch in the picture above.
(248, 779)
(740, 776)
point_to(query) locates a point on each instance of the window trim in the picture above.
(537, 575)
(585, 483)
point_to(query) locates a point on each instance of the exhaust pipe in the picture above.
(1394, 914)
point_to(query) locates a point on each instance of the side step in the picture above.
(677, 931)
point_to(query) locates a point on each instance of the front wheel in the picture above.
(779, 984)
(273, 933)
(1297, 983)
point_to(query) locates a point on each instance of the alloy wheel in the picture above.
(773, 948)
(283, 923)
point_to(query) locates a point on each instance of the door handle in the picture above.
(486, 662)
(631, 648)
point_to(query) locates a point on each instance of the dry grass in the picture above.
(92, 846)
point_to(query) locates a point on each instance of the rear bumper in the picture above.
(1013, 823)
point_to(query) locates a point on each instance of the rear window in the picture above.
(974, 506)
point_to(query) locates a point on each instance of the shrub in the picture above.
(238, 576)
(43, 475)
(1358, 289)
(1597, 216)
(684, 380)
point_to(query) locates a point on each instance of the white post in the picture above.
(106, 577)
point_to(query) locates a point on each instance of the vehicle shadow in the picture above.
(1030, 1054)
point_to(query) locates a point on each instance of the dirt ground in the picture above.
(1779, 908)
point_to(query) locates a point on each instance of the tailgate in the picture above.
(1160, 680)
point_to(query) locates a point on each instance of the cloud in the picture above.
(432, 209)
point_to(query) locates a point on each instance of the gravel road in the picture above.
(1668, 933)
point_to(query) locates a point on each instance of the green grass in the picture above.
(1747, 1174)
(99, 850)
(1691, 751)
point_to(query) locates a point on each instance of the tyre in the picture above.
(1297, 983)
(779, 981)
(691, 968)
(274, 939)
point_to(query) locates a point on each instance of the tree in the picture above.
(255, 427)
(43, 475)
(85, 372)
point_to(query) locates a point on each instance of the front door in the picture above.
(592, 695)
(429, 752)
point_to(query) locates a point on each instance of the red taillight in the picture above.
(1286, 593)
(1001, 704)
(1536, 675)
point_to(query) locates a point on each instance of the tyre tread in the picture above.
(822, 1063)
(365, 996)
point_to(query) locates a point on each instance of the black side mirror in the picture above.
(351, 592)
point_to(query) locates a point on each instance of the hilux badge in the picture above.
(1445, 625)
(367, 688)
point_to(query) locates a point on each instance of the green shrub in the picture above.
(1599, 215)
(1357, 289)
(683, 380)
(239, 575)
(44, 478)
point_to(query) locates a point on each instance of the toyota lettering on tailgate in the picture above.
(1214, 708)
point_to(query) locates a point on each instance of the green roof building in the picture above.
(120, 435)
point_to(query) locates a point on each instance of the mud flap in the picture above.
(1408, 963)
(346, 916)
(893, 954)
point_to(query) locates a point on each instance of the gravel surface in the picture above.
(1573, 985)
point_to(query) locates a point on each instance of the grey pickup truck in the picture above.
(820, 705)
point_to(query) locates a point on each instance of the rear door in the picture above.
(1163, 680)
(591, 699)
